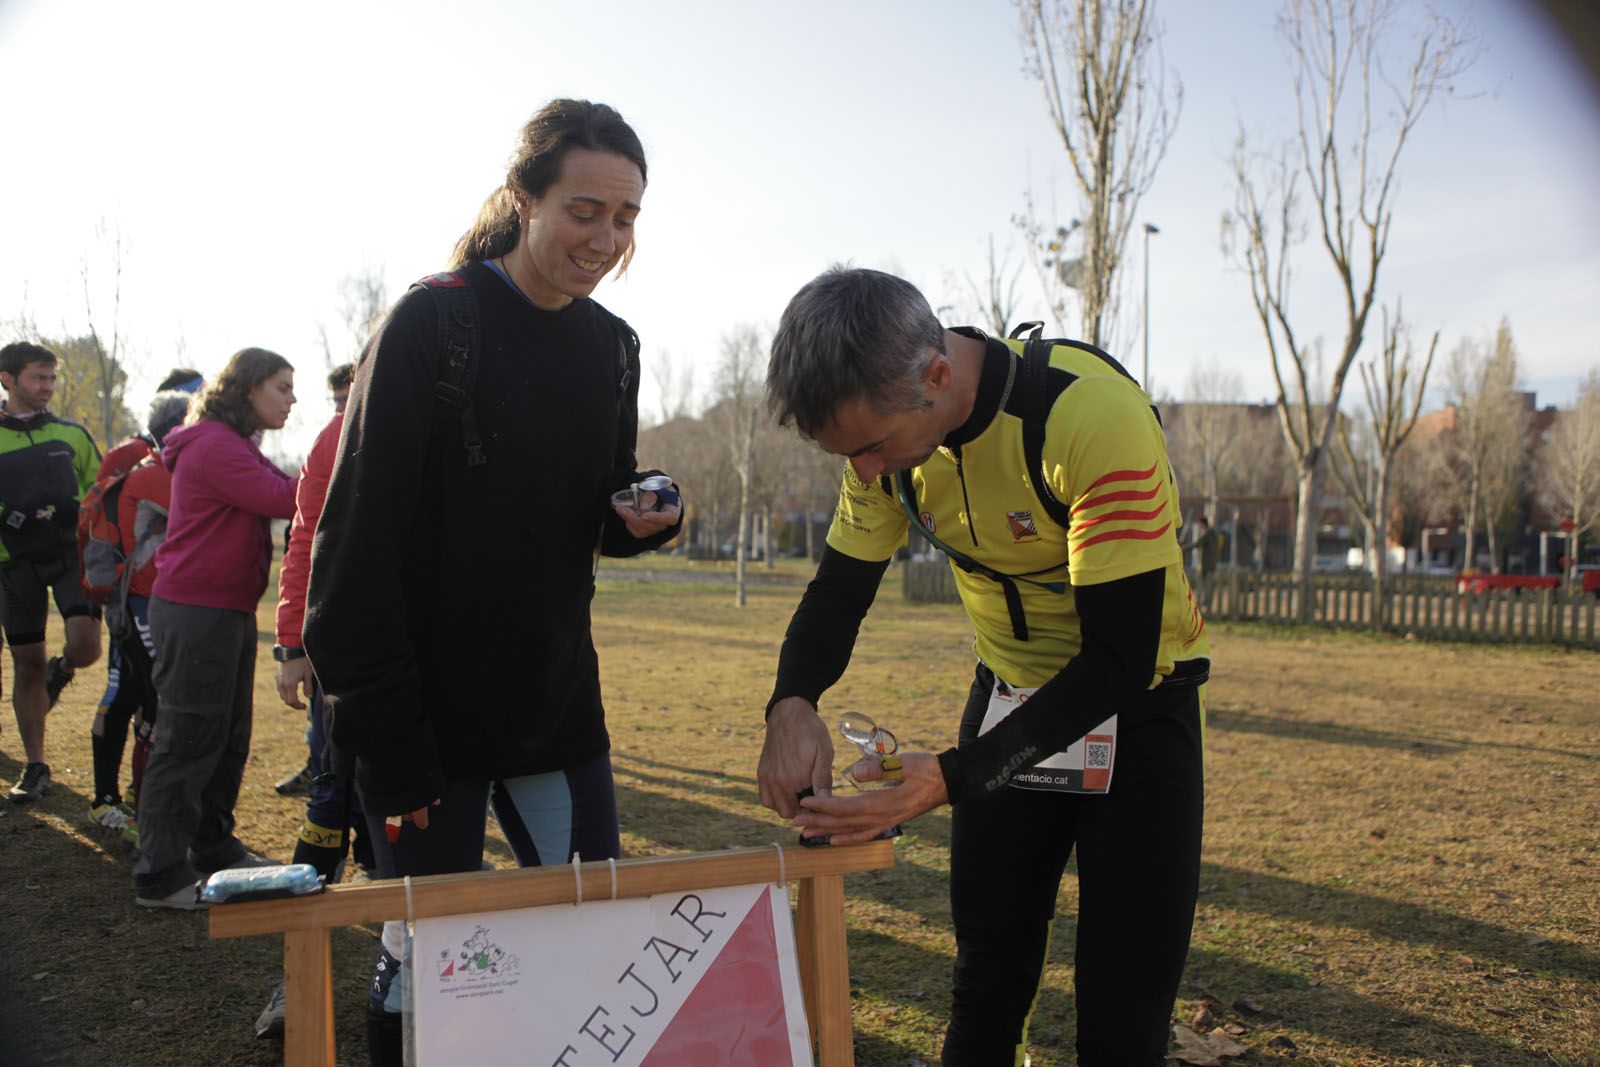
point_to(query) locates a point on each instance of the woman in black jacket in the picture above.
(448, 611)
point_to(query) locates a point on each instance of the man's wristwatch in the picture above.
(285, 653)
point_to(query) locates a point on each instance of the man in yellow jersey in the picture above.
(1083, 726)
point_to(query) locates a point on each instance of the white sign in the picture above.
(703, 978)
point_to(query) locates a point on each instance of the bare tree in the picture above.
(107, 363)
(363, 302)
(674, 386)
(1105, 88)
(1205, 432)
(1354, 122)
(1570, 466)
(739, 375)
(1488, 441)
(996, 297)
(1392, 386)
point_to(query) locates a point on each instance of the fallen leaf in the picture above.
(1282, 1042)
(1193, 1049)
(1202, 1020)
(1235, 1030)
(1247, 1005)
(1204, 1050)
(1225, 1044)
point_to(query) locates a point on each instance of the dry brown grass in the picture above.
(1399, 864)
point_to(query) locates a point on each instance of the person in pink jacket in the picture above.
(211, 570)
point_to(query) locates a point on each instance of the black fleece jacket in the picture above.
(448, 612)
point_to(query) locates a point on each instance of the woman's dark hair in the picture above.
(227, 399)
(559, 126)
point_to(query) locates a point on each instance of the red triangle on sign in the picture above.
(736, 1014)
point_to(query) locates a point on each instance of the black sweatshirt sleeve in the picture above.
(822, 634)
(356, 609)
(615, 540)
(1121, 625)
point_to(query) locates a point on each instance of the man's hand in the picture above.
(293, 675)
(645, 522)
(797, 755)
(863, 816)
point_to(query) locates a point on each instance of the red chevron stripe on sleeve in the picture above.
(1123, 535)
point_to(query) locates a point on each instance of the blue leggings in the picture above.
(546, 818)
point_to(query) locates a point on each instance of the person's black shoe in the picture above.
(297, 784)
(34, 783)
(57, 675)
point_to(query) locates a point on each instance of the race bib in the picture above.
(1085, 767)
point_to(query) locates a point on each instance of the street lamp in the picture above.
(1149, 228)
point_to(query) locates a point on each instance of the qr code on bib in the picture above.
(1097, 755)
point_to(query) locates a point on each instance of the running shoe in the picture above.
(184, 898)
(56, 677)
(297, 784)
(111, 815)
(130, 834)
(34, 783)
(270, 1022)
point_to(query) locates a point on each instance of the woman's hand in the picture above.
(645, 522)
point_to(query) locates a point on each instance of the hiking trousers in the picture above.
(1138, 859)
(205, 673)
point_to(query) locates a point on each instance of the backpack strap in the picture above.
(627, 373)
(1039, 392)
(906, 493)
(460, 335)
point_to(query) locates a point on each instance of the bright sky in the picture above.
(254, 157)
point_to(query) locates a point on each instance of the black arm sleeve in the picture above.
(356, 629)
(822, 634)
(615, 540)
(1121, 623)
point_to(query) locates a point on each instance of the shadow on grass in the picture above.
(1411, 924)
(1290, 1000)
(91, 978)
(1230, 721)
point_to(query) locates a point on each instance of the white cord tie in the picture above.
(411, 918)
(577, 879)
(613, 863)
(783, 872)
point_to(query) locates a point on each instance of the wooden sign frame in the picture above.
(307, 923)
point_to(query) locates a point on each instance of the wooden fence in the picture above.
(1426, 606)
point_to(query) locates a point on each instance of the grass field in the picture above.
(1400, 860)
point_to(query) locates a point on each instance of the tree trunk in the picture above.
(1305, 536)
(746, 471)
(1469, 558)
(1380, 537)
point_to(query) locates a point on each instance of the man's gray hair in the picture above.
(167, 411)
(850, 334)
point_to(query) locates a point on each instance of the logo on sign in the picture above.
(478, 958)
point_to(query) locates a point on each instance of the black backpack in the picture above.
(1042, 384)
(460, 335)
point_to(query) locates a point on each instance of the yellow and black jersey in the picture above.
(1104, 458)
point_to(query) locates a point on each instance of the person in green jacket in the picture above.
(47, 464)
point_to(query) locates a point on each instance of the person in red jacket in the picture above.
(210, 571)
(141, 520)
